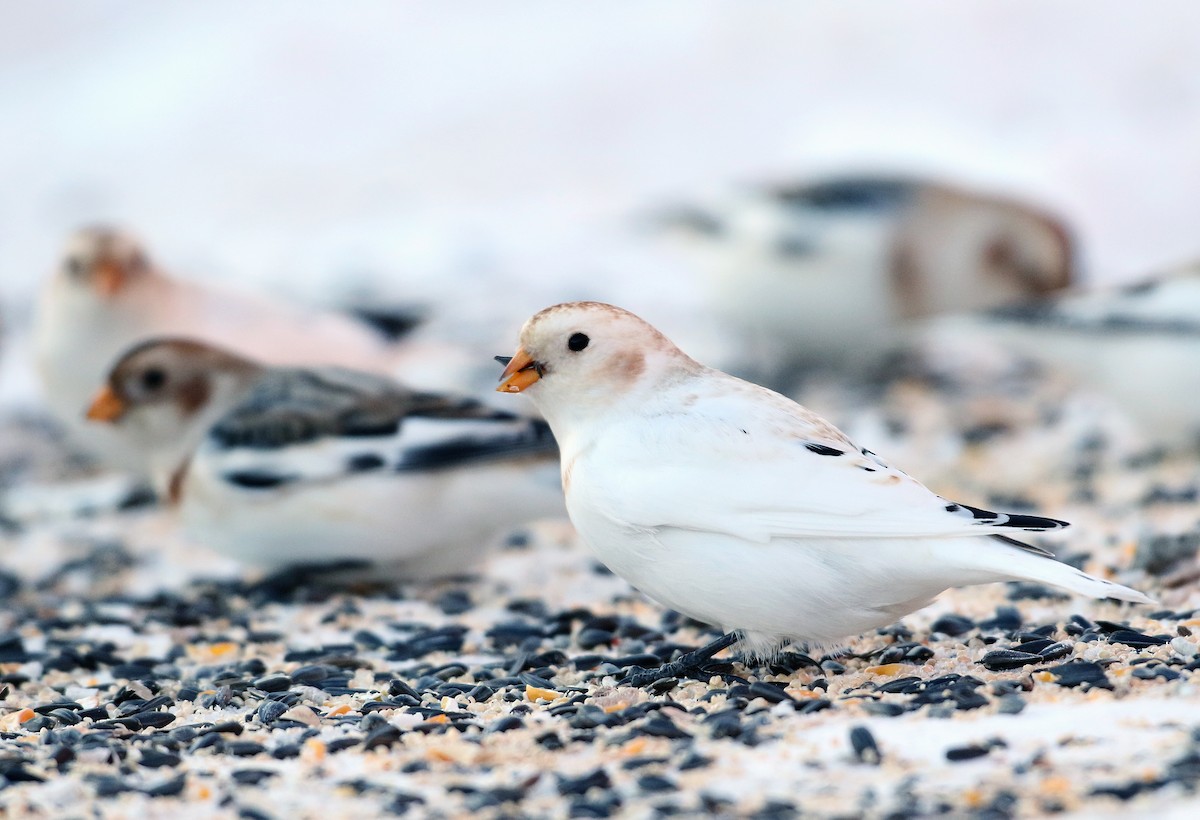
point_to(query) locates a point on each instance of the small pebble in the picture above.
(597, 779)
(383, 736)
(999, 659)
(1080, 673)
(1184, 648)
(769, 692)
(952, 625)
(1010, 704)
(961, 753)
(653, 783)
(865, 748)
(270, 711)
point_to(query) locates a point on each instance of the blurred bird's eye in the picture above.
(577, 342)
(153, 378)
(74, 266)
(1000, 253)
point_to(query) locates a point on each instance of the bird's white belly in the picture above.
(74, 353)
(810, 590)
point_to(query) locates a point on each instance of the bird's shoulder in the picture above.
(741, 420)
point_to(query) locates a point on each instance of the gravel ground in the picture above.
(144, 677)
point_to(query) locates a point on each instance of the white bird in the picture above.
(107, 294)
(296, 466)
(829, 273)
(1138, 345)
(738, 507)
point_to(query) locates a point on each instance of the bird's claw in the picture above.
(645, 677)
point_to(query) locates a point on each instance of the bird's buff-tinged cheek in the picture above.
(106, 407)
(108, 278)
(520, 373)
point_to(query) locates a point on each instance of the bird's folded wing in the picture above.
(783, 488)
(1165, 306)
(306, 425)
(292, 405)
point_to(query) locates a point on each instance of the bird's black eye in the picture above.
(74, 266)
(577, 342)
(153, 378)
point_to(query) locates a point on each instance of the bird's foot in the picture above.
(682, 666)
(645, 677)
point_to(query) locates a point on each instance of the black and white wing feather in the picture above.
(300, 425)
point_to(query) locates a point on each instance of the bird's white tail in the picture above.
(1011, 563)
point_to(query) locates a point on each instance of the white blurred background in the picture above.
(419, 147)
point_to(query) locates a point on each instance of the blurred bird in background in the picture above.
(828, 274)
(107, 293)
(1138, 344)
(280, 467)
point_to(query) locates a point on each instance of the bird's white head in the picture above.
(580, 358)
(103, 261)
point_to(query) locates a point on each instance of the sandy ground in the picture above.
(492, 161)
(146, 677)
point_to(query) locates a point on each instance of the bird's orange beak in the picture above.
(519, 373)
(107, 406)
(109, 277)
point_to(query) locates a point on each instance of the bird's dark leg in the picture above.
(683, 664)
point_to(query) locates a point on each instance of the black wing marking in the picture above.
(1023, 546)
(866, 194)
(1032, 523)
(511, 439)
(392, 323)
(258, 479)
(365, 463)
(291, 406)
(1056, 315)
